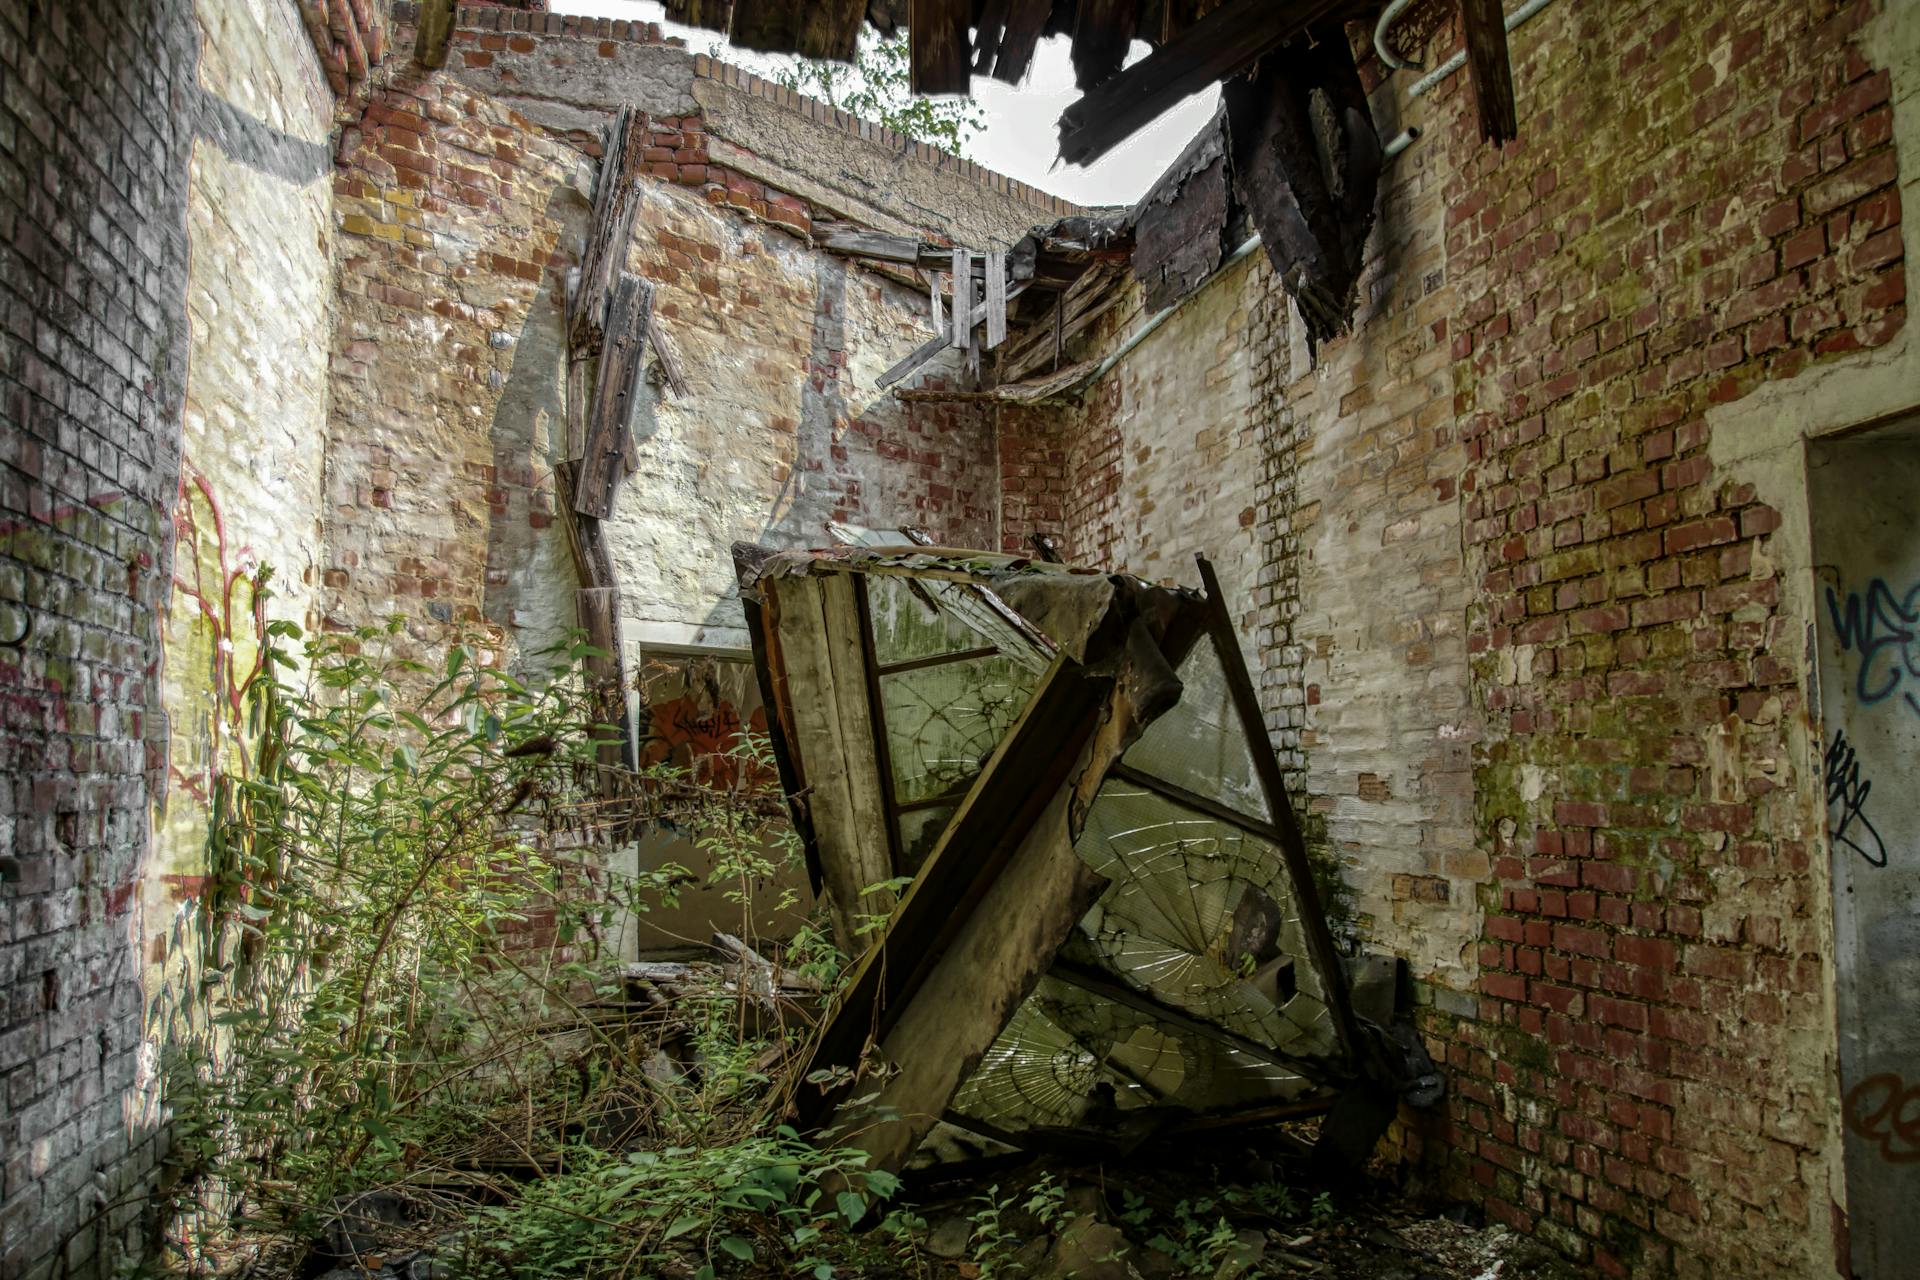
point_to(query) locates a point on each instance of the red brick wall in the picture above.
(96, 124)
(1533, 647)
(1703, 200)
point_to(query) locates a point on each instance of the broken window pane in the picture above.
(908, 626)
(1200, 916)
(943, 722)
(1069, 1058)
(1200, 746)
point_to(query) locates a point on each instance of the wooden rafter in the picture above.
(1220, 44)
(1490, 68)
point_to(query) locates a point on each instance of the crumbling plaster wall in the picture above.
(260, 311)
(449, 317)
(780, 431)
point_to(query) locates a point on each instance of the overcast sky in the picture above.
(1020, 139)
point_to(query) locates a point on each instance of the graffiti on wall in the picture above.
(1885, 1109)
(693, 712)
(213, 634)
(1847, 823)
(1883, 627)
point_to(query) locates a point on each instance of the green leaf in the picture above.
(853, 1206)
(737, 1247)
(823, 1271)
(681, 1226)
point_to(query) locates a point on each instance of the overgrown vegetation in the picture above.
(418, 1031)
(422, 1056)
(877, 86)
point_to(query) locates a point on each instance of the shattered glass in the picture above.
(1200, 915)
(943, 722)
(1072, 1059)
(1198, 745)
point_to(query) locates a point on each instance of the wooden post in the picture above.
(433, 33)
(1490, 68)
(996, 297)
(599, 610)
(608, 432)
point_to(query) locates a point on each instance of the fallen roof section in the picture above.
(1109, 923)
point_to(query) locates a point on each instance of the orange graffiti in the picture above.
(1886, 1109)
(699, 736)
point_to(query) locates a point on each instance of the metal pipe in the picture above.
(1459, 60)
(1388, 17)
(1400, 142)
(1159, 318)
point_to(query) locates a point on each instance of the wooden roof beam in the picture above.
(1219, 45)
(1491, 69)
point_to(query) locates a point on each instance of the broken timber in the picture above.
(1078, 864)
(1223, 42)
(608, 325)
(1490, 68)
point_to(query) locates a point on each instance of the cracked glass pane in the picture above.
(1070, 1058)
(909, 626)
(1201, 916)
(944, 721)
(1199, 745)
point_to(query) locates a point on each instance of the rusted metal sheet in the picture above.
(1180, 227)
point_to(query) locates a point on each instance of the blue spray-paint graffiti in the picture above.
(1884, 629)
(1847, 793)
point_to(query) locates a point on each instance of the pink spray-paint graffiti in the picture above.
(213, 636)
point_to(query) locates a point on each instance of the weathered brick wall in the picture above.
(781, 430)
(97, 110)
(462, 204)
(456, 225)
(1531, 618)
(1704, 204)
(1379, 591)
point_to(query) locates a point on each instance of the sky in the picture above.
(1020, 139)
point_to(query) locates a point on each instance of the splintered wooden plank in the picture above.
(987, 26)
(1025, 780)
(616, 199)
(814, 29)
(603, 466)
(1102, 31)
(996, 298)
(1025, 18)
(935, 346)
(1217, 46)
(874, 244)
(938, 44)
(997, 956)
(1491, 69)
(1306, 165)
(818, 636)
(1081, 306)
(933, 302)
(962, 296)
